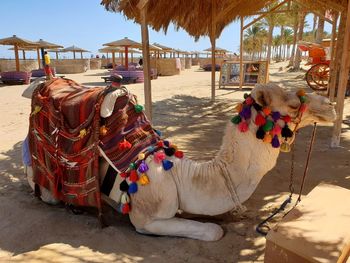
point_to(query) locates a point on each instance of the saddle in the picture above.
(66, 132)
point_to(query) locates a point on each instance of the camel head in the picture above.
(317, 108)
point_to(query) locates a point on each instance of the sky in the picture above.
(86, 24)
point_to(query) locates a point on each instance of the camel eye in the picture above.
(294, 107)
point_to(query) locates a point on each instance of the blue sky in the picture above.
(85, 23)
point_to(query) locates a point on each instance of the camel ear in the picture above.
(262, 96)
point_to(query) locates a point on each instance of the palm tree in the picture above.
(254, 39)
(288, 40)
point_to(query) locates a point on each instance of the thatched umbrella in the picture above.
(24, 49)
(55, 50)
(42, 45)
(126, 43)
(114, 50)
(75, 49)
(17, 43)
(165, 49)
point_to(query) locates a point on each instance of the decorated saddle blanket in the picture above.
(66, 130)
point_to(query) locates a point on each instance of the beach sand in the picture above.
(31, 231)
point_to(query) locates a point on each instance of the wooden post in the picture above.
(113, 59)
(56, 55)
(343, 80)
(126, 57)
(333, 72)
(132, 57)
(17, 58)
(146, 60)
(81, 55)
(24, 54)
(212, 41)
(74, 54)
(38, 56)
(241, 57)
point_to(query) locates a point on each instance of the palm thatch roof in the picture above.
(217, 50)
(19, 42)
(125, 42)
(117, 49)
(195, 16)
(164, 48)
(74, 49)
(44, 44)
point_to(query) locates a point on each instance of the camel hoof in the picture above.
(214, 232)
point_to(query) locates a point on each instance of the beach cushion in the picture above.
(15, 77)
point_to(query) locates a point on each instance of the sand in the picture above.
(31, 231)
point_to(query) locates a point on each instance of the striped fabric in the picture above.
(64, 134)
(63, 137)
(126, 123)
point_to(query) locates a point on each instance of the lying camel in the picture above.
(249, 150)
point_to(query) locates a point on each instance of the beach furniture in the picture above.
(38, 73)
(207, 67)
(15, 77)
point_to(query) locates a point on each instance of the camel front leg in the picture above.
(183, 228)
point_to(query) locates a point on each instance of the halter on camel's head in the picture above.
(279, 114)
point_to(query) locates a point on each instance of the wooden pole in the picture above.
(17, 58)
(81, 55)
(146, 61)
(38, 56)
(343, 80)
(213, 40)
(126, 57)
(24, 54)
(333, 72)
(74, 54)
(241, 57)
(56, 55)
(113, 59)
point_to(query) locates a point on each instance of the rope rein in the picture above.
(263, 228)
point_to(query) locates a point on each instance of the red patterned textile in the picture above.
(63, 139)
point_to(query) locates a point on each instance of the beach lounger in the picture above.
(15, 77)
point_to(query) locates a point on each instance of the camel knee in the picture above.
(214, 232)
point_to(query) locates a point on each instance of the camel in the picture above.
(220, 185)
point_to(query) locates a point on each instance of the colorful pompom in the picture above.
(158, 132)
(132, 188)
(286, 132)
(243, 126)
(275, 115)
(124, 186)
(158, 157)
(138, 108)
(268, 125)
(124, 145)
(276, 130)
(257, 107)
(239, 107)
(179, 154)
(260, 134)
(287, 119)
(267, 138)
(124, 175)
(151, 149)
(166, 143)
(141, 156)
(303, 99)
(143, 167)
(103, 130)
(245, 95)
(275, 142)
(281, 123)
(246, 113)
(160, 144)
(144, 179)
(303, 108)
(301, 92)
(133, 176)
(169, 151)
(249, 100)
(266, 111)
(236, 119)
(132, 166)
(125, 209)
(167, 165)
(260, 120)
